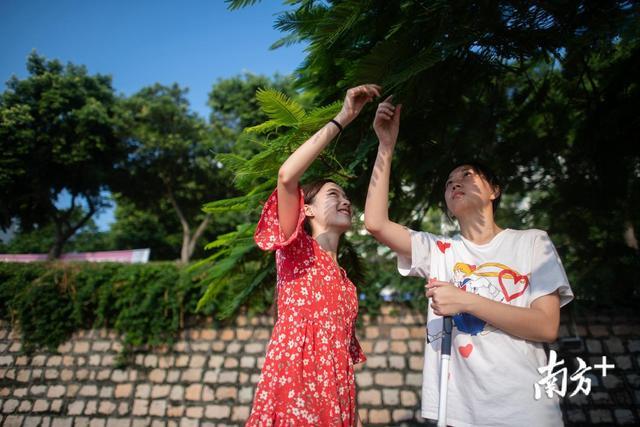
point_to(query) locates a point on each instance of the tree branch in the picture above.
(92, 210)
(203, 226)
(174, 203)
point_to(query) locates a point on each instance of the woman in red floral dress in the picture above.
(308, 377)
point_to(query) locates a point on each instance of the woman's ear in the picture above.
(308, 211)
(497, 191)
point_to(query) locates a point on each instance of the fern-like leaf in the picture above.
(301, 18)
(280, 108)
(239, 4)
(221, 268)
(246, 290)
(318, 117)
(421, 62)
(341, 20)
(263, 128)
(287, 40)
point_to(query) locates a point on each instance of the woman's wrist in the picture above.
(469, 302)
(337, 124)
(342, 119)
(386, 148)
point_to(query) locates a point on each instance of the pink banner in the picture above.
(126, 256)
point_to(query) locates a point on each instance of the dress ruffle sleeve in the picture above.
(268, 235)
(307, 378)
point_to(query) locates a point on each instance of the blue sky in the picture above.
(193, 42)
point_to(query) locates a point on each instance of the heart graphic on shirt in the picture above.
(443, 246)
(465, 350)
(518, 283)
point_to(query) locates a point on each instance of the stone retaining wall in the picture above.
(207, 377)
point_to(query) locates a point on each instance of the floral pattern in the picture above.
(308, 375)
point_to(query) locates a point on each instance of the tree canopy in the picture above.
(171, 168)
(170, 160)
(545, 93)
(66, 136)
(60, 131)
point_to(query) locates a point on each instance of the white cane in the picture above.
(445, 355)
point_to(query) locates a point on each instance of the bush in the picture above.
(47, 302)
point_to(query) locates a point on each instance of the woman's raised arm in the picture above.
(376, 211)
(299, 161)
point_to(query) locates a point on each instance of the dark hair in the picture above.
(488, 175)
(310, 192)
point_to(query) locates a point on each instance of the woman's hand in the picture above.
(387, 122)
(446, 299)
(355, 100)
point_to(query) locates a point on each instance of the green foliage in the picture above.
(237, 4)
(149, 303)
(233, 101)
(545, 94)
(157, 229)
(279, 108)
(169, 169)
(12, 293)
(59, 131)
(41, 238)
(48, 301)
(235, 107)
(238, 273)
(47, 294)
(169, 150)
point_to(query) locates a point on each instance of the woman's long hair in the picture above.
(309, 191)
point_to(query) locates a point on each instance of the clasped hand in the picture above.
(446, 299)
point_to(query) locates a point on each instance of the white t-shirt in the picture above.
(491, 373)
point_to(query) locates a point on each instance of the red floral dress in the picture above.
(308, 377)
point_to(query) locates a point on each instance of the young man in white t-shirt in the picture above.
(504, 289)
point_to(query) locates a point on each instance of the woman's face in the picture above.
(467, 191)
(329, 210)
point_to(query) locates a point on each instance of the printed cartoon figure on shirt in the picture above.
(494, 281)
(489, 374)
(464, 278)
(476, 280)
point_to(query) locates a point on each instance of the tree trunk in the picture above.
(56, 249)
(196, 236)
(188, 241)
(64, 229)
(184, 251)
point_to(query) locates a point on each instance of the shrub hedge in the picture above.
(47, 302)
